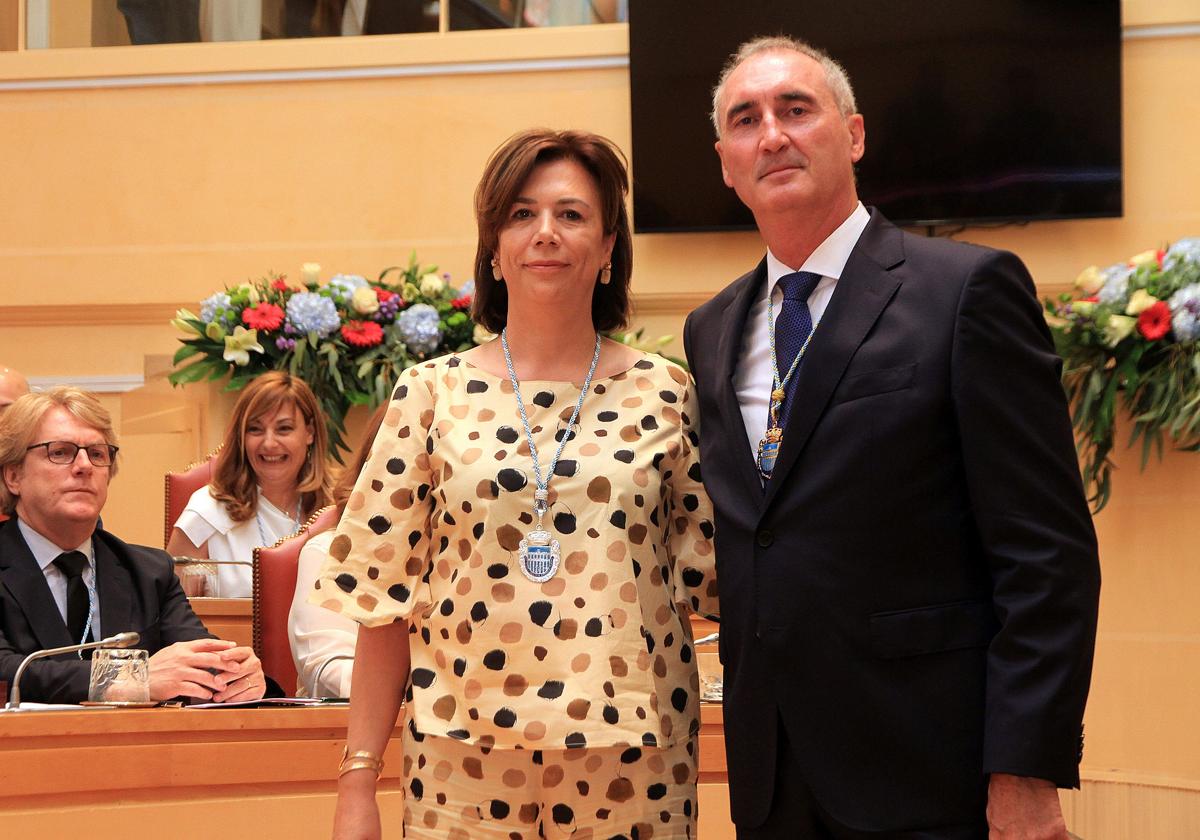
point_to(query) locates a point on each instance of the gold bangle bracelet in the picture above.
(360, 760)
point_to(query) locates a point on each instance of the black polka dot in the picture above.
(497, 571)
(649, 423)
(679, 699)
(607, 416)
(505, 718)
(506, 434)
(656, 791)
(690, 502)
(611, 715)
(667, 396)
(566, 468)
(511, 480)
(400, 393)
(380, 524)
(594, 627)
(479, 611)
(447, 608)
(544, 398)
(346, 582)
(399, 592)
(644, 364)
(458, 734)
(476, 386)
(617, 519)
(551, 690)
(564, 523)
(562, 814)
(625, 456)
(417, 788)
(494, 660)
(631, 756)
(498, 809)
(395, 466)
(692, 577)
(422, 677)
(575, 741)
(460, 667)
(539, 612)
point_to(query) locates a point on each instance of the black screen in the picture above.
(975, 110)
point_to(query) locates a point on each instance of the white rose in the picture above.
(1140, 301)
(1089, 281)
(482, 335)
(310, 273)
(432, 285)
(364, 301)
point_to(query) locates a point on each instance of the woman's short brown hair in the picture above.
(234, 483)
(20, 422)
(507, 171)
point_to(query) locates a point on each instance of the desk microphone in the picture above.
(121, 640)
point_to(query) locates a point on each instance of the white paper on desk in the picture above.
(51, 707)
(266, 701)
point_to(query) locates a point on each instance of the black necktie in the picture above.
(793, 326)
(72, 564)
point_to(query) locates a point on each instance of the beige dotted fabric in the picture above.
(601, 654)
(458, 791)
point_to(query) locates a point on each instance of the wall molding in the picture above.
(94, 384)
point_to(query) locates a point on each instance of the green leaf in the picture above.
(194, 372)
(185, 352)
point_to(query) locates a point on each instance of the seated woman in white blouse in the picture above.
(323, 641)
(270, 475)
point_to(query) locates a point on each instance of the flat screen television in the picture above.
(976, 111)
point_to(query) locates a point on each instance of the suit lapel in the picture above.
(20, 574)
(733, 329)
(113, 588)
(863, 291)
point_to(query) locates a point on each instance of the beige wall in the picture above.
(120, 203)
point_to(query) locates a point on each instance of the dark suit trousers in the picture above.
(796, 815)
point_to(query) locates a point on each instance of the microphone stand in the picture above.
(121, 640)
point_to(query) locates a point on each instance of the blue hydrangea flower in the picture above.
(311, 312)
(1185, 312)
(342, 286)
(218, 308)
(1116, 284)
(1185, 250)
(468, 288)
(419, 328)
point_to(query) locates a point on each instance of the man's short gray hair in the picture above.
(835, 74)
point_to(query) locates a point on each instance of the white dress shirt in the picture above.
(44, 554)
(753, 378)
(318, 634)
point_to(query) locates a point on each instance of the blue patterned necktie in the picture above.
(793, 327)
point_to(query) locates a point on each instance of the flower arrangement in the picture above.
(1130, 339)
(348, 339)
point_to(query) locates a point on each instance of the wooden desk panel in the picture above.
(226, 618)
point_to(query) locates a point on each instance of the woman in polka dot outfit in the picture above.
(532, 531)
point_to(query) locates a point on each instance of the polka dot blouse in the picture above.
(599, 655)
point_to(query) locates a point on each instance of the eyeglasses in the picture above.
(65, 452)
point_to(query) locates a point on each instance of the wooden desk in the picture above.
(197, 774)
(226, 618)
(177, 773)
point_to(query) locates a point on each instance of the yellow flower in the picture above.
(432, 285)
(482, 335)
(1144, 258)
(1089, 281)
(365, 301)
(214, 331)
(310, 273)
(1140, 301)
(1083, 307)
(1118, 329)
(180, 321)
(239, 345)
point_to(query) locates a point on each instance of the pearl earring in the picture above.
(606, 274)
(497, 274)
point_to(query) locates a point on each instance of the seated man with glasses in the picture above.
(64, 581)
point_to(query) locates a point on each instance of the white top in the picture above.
(317, 634)
(205, 520)
(753, 379)
(44, 554)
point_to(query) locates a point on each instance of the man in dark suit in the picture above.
(64, 580)
(908, 569)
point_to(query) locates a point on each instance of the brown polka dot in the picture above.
(444, 707)
(619, 790)
(628, 592)
(472, 455)
(667, 728)
(631, 402)
(384, 552)
(640, 477)
(578, 709)
(618, 666)
(508, 537)
(486, 489)
(402, 499)
(589, 449)
(554, 587)
(462, 633)
(552, 775)
(580, 663)
(459, 412)
(442, 770)
(637, 533)
(515, 685)
(643, 384)
(486, 414)
(660, 667)
(430, 818)
(619, 617)
(340, 547)
(599, 490)
(472, 690)
(528, 812)
(616, 551)
(367, 603)
(473, 767)
(629, 434)
(663, 614)
(513, 778)
(575, 562)
(671, 416)
(681, 773)
(414, 566)
(567, 629)
(599, 582)
(535, 731)
(593, 763)
(503, 593)
(677, 374)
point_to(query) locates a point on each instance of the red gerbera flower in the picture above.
(362, 333)
(279, 284)
(384, 295)
(265, 317)
(1155, 321)
(463, 302)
